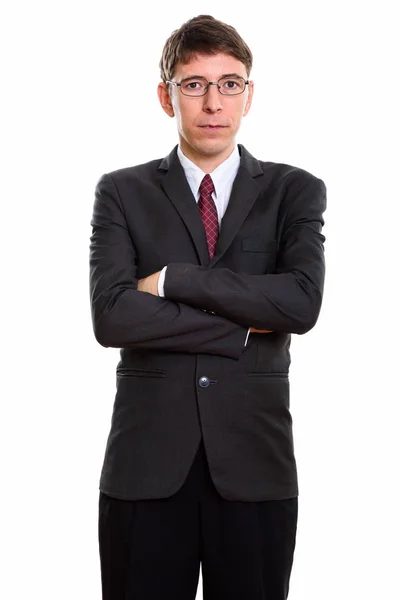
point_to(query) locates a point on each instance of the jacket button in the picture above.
(204, 382)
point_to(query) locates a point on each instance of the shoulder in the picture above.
(291, 179)
(130, 179)
(141, 171)
(280, 174)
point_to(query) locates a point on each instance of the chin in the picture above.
(211, 147)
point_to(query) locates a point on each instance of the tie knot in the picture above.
(206, 186)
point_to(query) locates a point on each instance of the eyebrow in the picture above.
(202, 76)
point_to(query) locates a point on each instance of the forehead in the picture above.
(211, 66)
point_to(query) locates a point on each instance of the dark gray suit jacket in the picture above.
(184, 372)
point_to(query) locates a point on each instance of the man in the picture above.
(202, 264)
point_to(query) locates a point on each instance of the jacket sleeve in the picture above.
(123, 316)
(288, 300)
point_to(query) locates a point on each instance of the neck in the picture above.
(206, 162)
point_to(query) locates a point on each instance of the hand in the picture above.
(253, 330)
(149, 284)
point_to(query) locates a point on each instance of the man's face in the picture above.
(207, 125)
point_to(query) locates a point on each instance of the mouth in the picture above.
(212, 127)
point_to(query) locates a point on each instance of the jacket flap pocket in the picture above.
(130, 372)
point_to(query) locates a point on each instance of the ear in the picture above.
(165, 99)
(249, 98)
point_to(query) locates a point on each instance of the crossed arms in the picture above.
(150, 285)
(288, 300)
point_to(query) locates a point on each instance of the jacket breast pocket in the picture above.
(257, 256)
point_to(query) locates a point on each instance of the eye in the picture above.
(231, 84)
(193, 84)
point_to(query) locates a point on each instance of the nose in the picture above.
(212, 99)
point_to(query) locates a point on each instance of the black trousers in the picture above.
(152, 549)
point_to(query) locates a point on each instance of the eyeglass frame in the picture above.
(246, 82)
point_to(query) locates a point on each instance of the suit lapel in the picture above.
(244, 193)
(176, 186)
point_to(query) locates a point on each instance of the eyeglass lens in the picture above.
(197, 86)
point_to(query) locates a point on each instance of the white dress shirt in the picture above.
(223, 177)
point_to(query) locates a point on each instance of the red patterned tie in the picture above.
(209, 214)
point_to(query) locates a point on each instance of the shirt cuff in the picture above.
(247, 337)
(161, 280)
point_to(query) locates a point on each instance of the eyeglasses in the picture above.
(198, 86)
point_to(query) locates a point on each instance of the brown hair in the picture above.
(203, 35)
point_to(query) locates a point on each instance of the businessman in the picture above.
(202, 265)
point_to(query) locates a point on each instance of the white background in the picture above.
(79, 99)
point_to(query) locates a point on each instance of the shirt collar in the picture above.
(226, 170)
